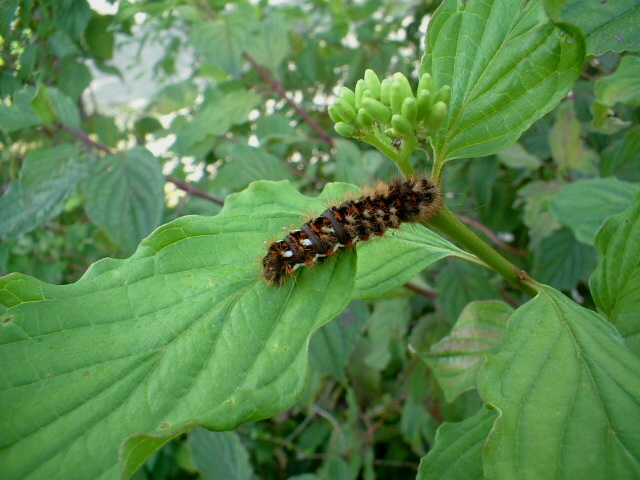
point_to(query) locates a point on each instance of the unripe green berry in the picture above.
(396, 97)
(346, 111)
(385, 91)
(373, 82)
(400, 79)
(410, 110)
(348, 95)
(443, 95)
(425, 83)
(345, 129)
(334, 114)
(436, 117)
(401, 125)
(376, 109)
(360, 88)
(424, 104)
(364, 117)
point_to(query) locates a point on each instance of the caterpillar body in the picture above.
(381, 207)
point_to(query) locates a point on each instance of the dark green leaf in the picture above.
(47, 178)
(457, 453)
(561, 262)
(622, 157)
(99, 38)
(456, 359)
(74, 78)
(507, 64)
(616, 281)
(584, 205)
(460, 283)
(125, 196)
(185, 331)
(331, 346)
(220, 455)
(608, 26)
(563, 375)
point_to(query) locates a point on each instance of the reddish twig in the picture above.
(277, 86)
(182, 185)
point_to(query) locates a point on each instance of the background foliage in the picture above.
(238, 93)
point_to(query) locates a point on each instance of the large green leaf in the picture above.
(389, 262)
(125, 196)
(270, 46)
(456, 359)
(608, 26)
(616, 281)
(457, 453)
(47, 178)
(567, 391)
(183, 332)
(507, 64)
(583, 205)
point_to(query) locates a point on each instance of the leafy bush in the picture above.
(444, 359)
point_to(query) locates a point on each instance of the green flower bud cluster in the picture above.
(390, 107)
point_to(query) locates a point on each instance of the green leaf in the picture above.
(456, 359)
(561, 262)
(507, 64)
(619, 87)
(352, 165)
(219, 455)
(271, 44)
(387, 327)
(460, 283)
(622, 157)
(125, 196)
(616, 281)
(389, 262)
(517, 157)
(567, 146)
(74, 78)
(608, 26)
(221, 42)
(99, 37)
(457, 453)
(247, 164)
(215, 118)
(563, 375)
(64, 107)
(538, 216)
(183, 332)
(21, 114)
(583, 205)
(332, 345)
(47, 178)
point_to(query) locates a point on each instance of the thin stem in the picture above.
(447, 223)
(277, 86)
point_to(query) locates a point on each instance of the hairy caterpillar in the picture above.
(381, 207)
